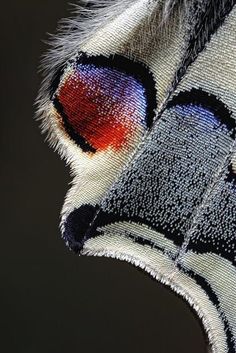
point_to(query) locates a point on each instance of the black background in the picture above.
(53, 301)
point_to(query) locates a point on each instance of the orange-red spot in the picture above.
(101, 112)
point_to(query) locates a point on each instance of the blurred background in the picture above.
(53, 301)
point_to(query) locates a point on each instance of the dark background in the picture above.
(53, 301)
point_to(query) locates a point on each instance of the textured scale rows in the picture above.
(143, 109)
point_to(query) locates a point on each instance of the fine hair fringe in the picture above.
(87, 18)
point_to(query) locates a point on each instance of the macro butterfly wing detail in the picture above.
(98, 102)
(145, 115)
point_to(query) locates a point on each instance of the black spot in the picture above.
(231, 176)
(77, 225)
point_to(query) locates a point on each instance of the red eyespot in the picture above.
(101, 106)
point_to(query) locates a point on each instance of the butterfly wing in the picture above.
(145, 115)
